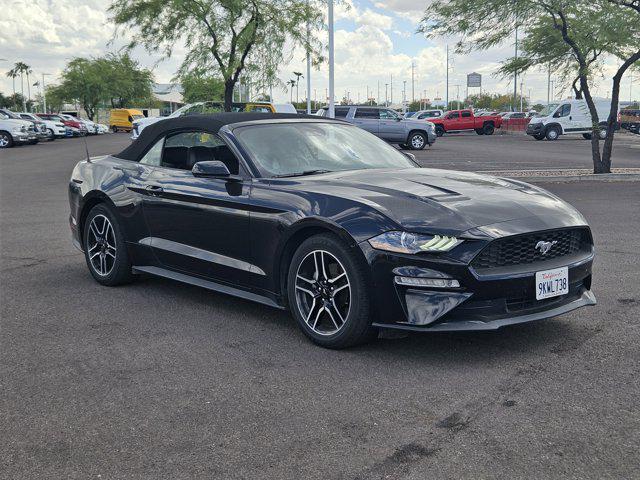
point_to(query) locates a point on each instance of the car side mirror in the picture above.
(213, 168)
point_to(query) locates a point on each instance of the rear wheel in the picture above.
(602, 133)
(552, 133)
(488, 129)
(479, 131)
(104, 248)
(417, 140)
(586, 136)
(328, 293)
(6, 140)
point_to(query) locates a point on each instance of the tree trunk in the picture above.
(613, 112)
(595, 128)
(228, 94)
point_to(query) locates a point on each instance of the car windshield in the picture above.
(136, 117)
(11, 114)
(300, 148)
(546, 111)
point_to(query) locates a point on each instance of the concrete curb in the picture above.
(603, 177)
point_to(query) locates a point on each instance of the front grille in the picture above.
(521, 249)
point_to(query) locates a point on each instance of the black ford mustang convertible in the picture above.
(325, 219)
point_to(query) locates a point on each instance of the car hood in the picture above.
(425, 200)
(14, 122)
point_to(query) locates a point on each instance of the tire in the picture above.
(98, 240)
(586, 136)
(479, 131)
(439, 130)
(403, 146)
(51, 135)
(33, 142)
(346, 298)
(539, 136)
(488, 128)
(552, 133)
(114, 129)
(6, 140)
(417, 141)
(602, 133)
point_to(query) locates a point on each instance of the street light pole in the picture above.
(332, 111)
(386, 94)
(446, 97)
(515, 75)
(413, 85)
(308, 71)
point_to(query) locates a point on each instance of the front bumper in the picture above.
(24, 137)
(481, 302)
(431, 136)
(534, 128)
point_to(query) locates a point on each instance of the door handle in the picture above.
(153, 189)
(570, 118)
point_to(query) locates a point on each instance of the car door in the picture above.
(200, 225)
(452, 121)
(391, 126)
(466, 120)
(367, 119)
(564, 117)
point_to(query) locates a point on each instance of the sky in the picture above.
(375, 44)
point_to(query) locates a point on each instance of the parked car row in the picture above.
(19, 128)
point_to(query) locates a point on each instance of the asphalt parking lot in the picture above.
(162, 380)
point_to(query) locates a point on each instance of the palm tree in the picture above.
(298, 75)
(13, 73)
(293, 84)
(21, 68)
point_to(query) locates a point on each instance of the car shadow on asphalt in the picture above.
(555, 335)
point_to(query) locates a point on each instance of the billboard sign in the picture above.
(474, 80)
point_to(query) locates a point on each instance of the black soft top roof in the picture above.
(210, 123)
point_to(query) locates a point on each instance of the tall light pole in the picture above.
(404, 95)
(413, 84)
(515, 75)
(308, 70)
(378, 97)
(549, 85)
(391, 88)
(332, 108)
(386, 94)
(446, 97)
(44, 93)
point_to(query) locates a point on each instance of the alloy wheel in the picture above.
(323, 292)
(101, 245)
(417, 142)
(4, 140)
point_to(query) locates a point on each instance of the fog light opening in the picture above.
(427, 282)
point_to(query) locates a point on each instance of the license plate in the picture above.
(552, 283)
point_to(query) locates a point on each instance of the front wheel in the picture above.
(328, 293)
(488, 129)
(6, 140)
(552, 133)
(439, 130)
(105, 249)
(114, 129)
(417, 140)
(51, 135)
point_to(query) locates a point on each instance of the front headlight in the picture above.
(20, 129)
(405, 242)
(430, 125)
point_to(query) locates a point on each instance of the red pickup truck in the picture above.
(457, 120)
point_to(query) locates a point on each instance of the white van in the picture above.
(568, 117)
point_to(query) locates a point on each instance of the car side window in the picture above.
(466, 114)
(387, 115)
(371, 113)
(183, 150)
(453, 115)
(565, 110)
(154, 155)
(341, 112)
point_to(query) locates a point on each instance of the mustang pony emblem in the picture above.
(544, 247)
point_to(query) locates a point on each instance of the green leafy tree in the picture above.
(199, 87)
(126, 83)
(569, 36)
(83, 81)
(56, 97)
(227, 37)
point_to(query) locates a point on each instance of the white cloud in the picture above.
(374, 19)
